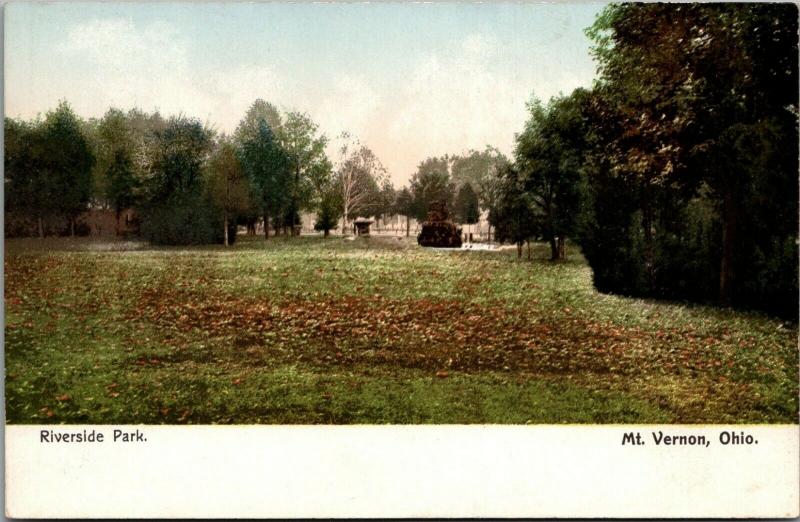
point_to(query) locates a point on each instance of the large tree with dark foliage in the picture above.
(480, 169)
(309, 165)
(48, 168)
(115, 174)
(176, 209)
(515, 215)
(268, 169)
(121, 182)
(384, 204)
(466, 210)
(28, 190)
(68, 159)
(431, 184)
(329, 209)
(550, 156)
(696, 115)
(228, 186)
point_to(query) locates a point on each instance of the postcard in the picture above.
(450, 260)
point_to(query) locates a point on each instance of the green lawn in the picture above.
(312, 330)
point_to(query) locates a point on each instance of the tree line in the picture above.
(677, 171)
(187, 183)
(191, 185)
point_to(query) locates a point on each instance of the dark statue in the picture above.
(438, 230)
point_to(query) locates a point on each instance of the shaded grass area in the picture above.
(312, 330)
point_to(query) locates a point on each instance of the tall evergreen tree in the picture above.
(466, 207)
(67, 161)
(267, 167)
(432, 184)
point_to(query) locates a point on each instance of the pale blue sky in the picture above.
(410, 80)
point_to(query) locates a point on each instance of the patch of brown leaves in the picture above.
(435, 335)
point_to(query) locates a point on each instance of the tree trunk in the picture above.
(41, 227)
(553, 249)
(408, 226)
(519, 249)
(649, 246)
(225, 221)
(327, 232)
(727, 273)
(294, 195)
(72, 227)
(266, 225)
(528, 241)
(562, 251)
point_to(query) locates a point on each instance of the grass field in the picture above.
(312, 330)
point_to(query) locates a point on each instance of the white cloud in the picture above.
(118, 44)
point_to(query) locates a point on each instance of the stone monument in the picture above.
(438, 230)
